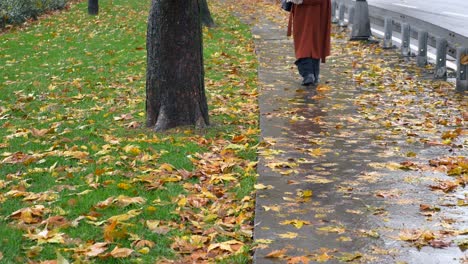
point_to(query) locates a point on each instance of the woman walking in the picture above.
(310, 21)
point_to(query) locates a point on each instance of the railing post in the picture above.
(440, 72)
(462, 69)
(388, 43)
(361, 23)
(341, 16)
(422, 48)
(352, 11)
(334, 7)
(405, 40)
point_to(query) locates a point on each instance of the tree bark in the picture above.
(206, 18)
(175, 90)
(93, 7)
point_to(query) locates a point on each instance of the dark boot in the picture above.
(316, 71)
(309, 80)
(306, 70)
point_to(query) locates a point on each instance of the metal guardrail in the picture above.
(444, 40)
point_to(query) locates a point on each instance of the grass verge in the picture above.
(80, 175)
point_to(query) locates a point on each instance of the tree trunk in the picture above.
(93, 7)
(175, 90)
(206, 18)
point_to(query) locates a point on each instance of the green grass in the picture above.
(83, 79)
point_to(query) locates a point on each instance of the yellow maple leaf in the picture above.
(333, 229)
(290, 235)
(124, 217)
(262, 186)
(316, 152)
(306, 193)
(296, 222)
(323, 257)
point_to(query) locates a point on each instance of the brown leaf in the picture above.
(445, 186)
(96, 249)
(106, 203)
(299, 260)
(437, 243)
(30, 215)
(427, 207)
(40, 132)
(154, 226)
(121, 252)
(111, 232)
(143, 243)
(19, 157)
(388, 193)
(230, 246)
(56, 222)
(75, 154)
(124, 201)
(464, 60)
(280, 253)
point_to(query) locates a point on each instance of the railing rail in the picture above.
(435, 36)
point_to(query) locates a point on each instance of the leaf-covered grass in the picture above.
(79, 167)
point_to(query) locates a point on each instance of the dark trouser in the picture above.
(308, 66)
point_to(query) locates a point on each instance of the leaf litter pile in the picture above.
(83, 181)
(371, 167)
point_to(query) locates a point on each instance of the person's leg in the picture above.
(317, 70)
(306, 67)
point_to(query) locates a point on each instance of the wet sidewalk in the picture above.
(368, 167)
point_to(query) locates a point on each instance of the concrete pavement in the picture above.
(344, 169)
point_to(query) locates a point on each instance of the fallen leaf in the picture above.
(298, 260)
(143, 243)
(230, 246)
(289, 235)
(464, 60)
(437, 243)
(40, 132)
(46, 236)
(445, 186)
(61, 259)
(305, 194)
(121, 252)
(323, 257)
(297, 223)
(124, 201)
(280, 253)
(348, 257)
(333, 229)
(124, 217)
(261, 186)
(96, 249)
(274, 208)
(19, 157)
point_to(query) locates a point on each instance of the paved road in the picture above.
(450, 14)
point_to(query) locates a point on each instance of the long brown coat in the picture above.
(311, 26)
